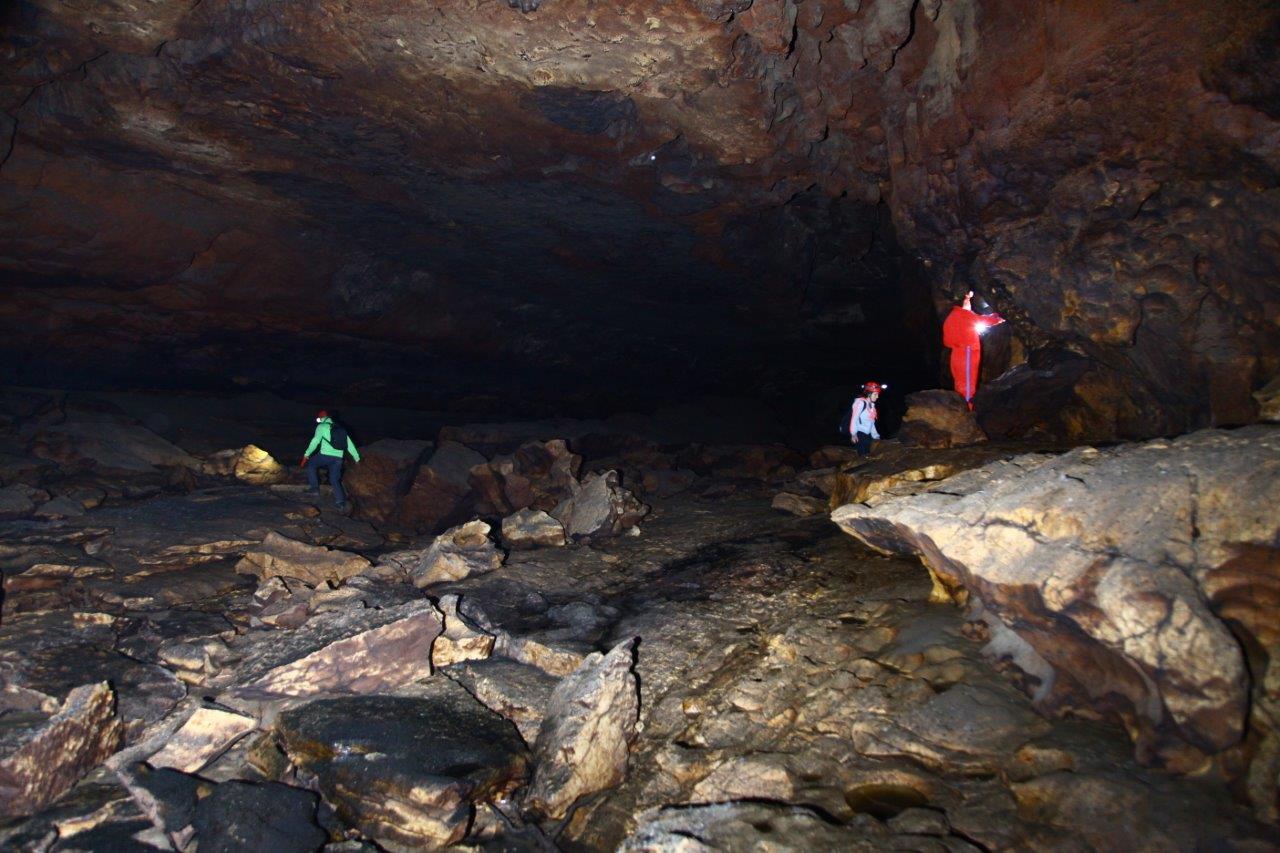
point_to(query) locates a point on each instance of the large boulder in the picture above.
(457, 553)
(939, 418)
(537, 475)
(257, 467)
(441, 491)
(360, 651)
(405, 770)
(20, 500)
(1063, 396)
(584, 742)
(599, 507)
(1125, 580)
(531, 528)
(383, 476)
(40, 757)
(109, 447)
(280, 556)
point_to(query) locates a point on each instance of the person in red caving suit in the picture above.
(962, 334)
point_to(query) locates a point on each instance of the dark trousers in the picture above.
(334, 465)
(862, 442)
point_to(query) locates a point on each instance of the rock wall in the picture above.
(701, 192)
(1131, 583)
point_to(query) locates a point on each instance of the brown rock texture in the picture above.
(406, 770)
(362, 651)
(538, 475)
(457, 553)
(383, 476)
(441, 491)
(280, 556)
(584, 742)
(599, 506)
(382, 178)
(939, 419)
(41, 762)
(1123, 575)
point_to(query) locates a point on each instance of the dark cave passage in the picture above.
(426, 425)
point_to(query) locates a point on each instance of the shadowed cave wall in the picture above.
(585, 208)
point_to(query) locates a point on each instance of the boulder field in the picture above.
(211, 661)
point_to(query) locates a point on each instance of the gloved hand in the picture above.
(303, 463)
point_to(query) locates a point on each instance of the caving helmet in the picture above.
(873, 387)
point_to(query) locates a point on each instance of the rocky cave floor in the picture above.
(796, 690)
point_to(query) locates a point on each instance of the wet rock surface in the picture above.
(789, 687)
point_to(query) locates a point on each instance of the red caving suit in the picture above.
(962, 332)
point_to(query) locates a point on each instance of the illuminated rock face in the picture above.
(581, 199)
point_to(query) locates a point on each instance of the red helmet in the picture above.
(873, 387)
(322, 413)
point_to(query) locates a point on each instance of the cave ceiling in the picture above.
(581, 195)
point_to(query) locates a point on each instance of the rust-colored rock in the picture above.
(39, 762)
(383, 476)
(441, 491)
(939, 419)
(538, 475)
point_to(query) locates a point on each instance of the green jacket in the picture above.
(321, 440)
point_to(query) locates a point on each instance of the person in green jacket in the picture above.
(331, 441)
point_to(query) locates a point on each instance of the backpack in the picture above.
(847, 419)
(338, 437)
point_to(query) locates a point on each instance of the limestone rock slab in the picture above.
(383, 476)
(203, 737)
(599, 507)
(584, 742)
(1104, 564)
(405, 770)
(361, 651)
(280, 556)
